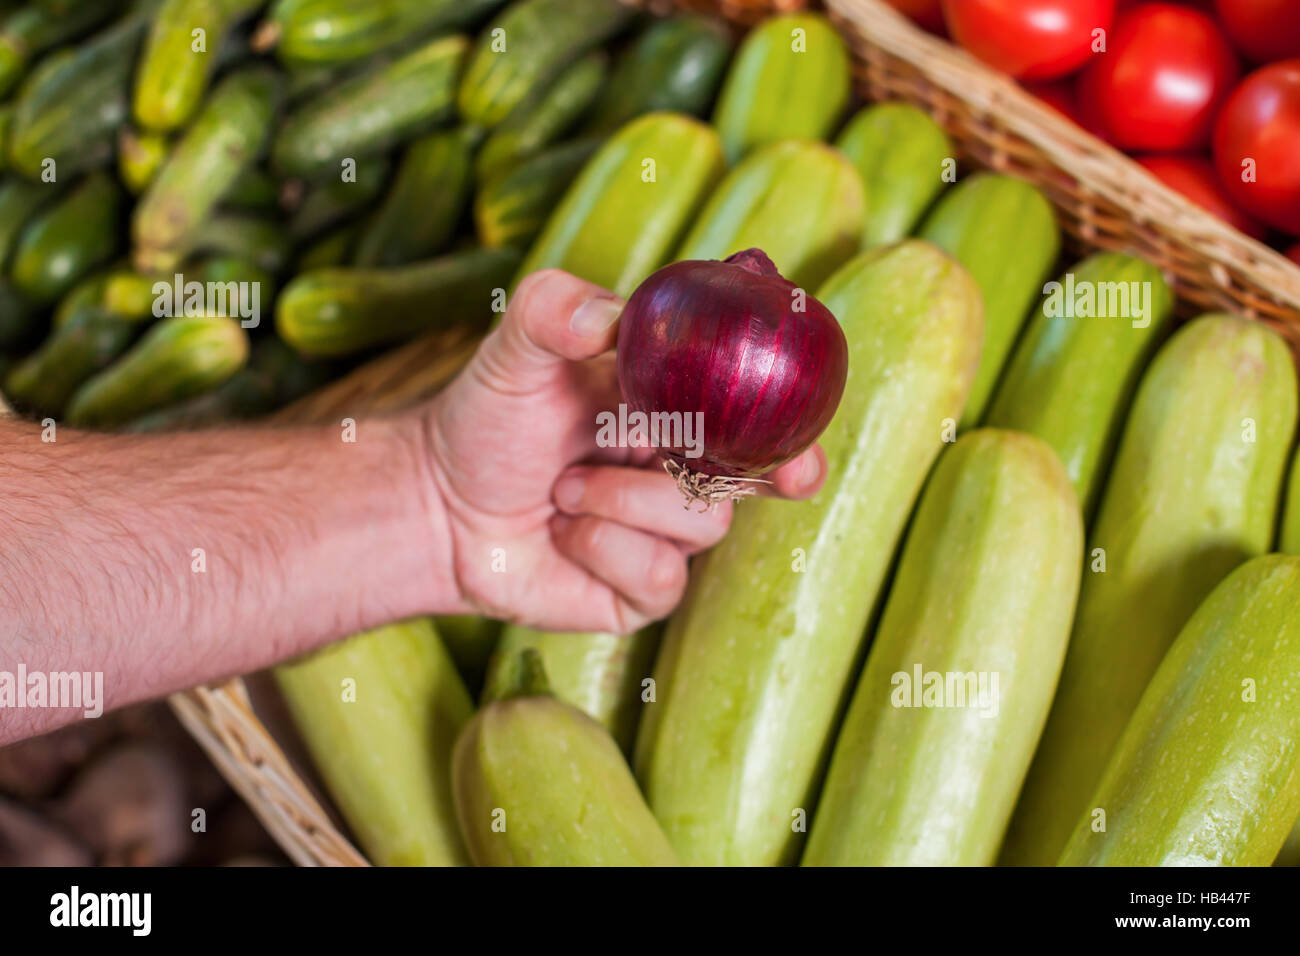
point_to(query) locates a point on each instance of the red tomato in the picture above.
(1059, 96)
(1030, 39)
(927, 13)
(1194, 177)
(1264, 30)
(1260, 122)
(1166, 70)
(1293, 253)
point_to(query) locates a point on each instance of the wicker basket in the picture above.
(1102, 199)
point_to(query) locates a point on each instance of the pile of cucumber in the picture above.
(316, 179)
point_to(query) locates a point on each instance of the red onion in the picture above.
(755, 360)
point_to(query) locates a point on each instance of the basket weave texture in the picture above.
(1103, 200)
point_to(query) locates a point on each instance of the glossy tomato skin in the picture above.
(1029, 39)
(1158, 87)
(1194, 177)
(1059, 96)
(1264, 30)
(1261, 122)
(927, 13)
(1293, 253)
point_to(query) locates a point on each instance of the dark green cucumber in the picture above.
(255, 190)
(139, 157)
(676, 64)
(178, 358)
(1207, 772)
(1072, 375)
(30, 31)
(69, 111)
(340, 311)
(65, 242)
(901, 154)
(260, 240)
(526, 46)
(1004, 232)
(512, 208)
(790, 80)
(1192, 494)
(370, 113)
(424, 205)
(89, 291)
(173, 74)
(542, 118)
(331, 32)
(20, 201)
(19, 320)
(332, 249)
(333, 201)
(225, 139)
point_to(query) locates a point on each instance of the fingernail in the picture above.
(568, 491)
(595, 316)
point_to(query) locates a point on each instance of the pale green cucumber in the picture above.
(960, 675)
(1192, 494)
(756, 661)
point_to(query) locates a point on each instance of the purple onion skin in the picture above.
(723, 338)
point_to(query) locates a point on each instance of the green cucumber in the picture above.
(177, 358)
(1289, 543)
(333, 32)
(543, 118)
(759, 655)
(225, 139)
(790, 80)
(539, 783)
(340, 311)
(1192, 494)
(676, 64)
(925, 771)
(600, 674)
(68, 112)
(1075, 370)
(178, 61)
(261, 240)
(33, 29)
(800, 202)
(20, 201)
(900, 153)
(19, 320)
(511, 209)
(88, 291)
(254, 190)
(66, 241)
(330, 250)
(139, 157)
(425, 203)
(1207, 771)
(380, 713)
(523, 49)
(84, 345)
(1002, 230)
(655, 172)
(329, 203)
(372, 112)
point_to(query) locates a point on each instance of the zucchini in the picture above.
(425, 203)
(66, 241)
(259, 240)
(69, 110)
(900, 153)
(1207, 771)
(1192, 494)
(539, 783)
(1005, 233)
(334, 201)
(372, 112)
(800, 202)
(790, 80)
(254, 190)
(511, 209)
(1072, 375)
(340, 311)
(380, 713)
(225, 139)
(543, 118)
(333, 32)
(676, 64)
(735, 745)
(86, 343)
(983, 601)
(177, 358)
(655, 172)
(600, 674)
(523, 49)
(173, 75)
(20, 201)
(33, 29)
(139, 157)
(332, 249)
(87, 292)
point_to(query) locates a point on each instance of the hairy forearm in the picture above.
(165, 561)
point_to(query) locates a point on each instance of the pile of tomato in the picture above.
(1203, 93)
